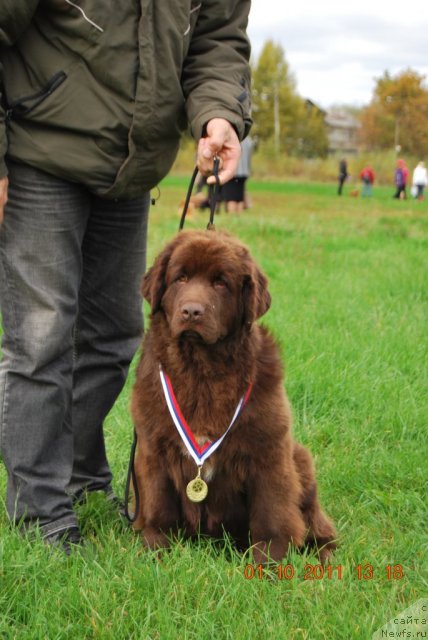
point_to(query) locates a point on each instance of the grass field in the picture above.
(349, 283)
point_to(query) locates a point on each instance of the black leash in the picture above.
(213, 198)
(131, 473)
(213, 195)
(188, 196)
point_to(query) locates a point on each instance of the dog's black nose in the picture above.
(192, 311)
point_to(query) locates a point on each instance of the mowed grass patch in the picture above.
(349, 287)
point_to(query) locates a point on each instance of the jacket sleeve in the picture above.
(15, 16)
(216, 71)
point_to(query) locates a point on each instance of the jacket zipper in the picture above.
(20, 108)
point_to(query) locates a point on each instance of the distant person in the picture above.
(406, 175)
(233, 193)
(343, 174)
(401, 175)
(420, 180)
(367, 178)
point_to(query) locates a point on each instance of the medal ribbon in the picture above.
(199, 454)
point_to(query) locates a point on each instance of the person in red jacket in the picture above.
(367, 178)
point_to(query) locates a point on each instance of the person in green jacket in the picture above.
(94, 98)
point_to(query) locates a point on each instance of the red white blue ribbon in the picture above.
(198, 453)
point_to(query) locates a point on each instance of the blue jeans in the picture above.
(71, 265)
(366, 190)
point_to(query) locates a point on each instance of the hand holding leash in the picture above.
(222, 141)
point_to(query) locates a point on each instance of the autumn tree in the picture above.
(310, 139)
(281, 116)
(397, 116)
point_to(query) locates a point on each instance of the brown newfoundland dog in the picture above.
(207, 370)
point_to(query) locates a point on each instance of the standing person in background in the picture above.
(233, 193)
(95, 103)
(343, 174)
(367, 178)
(406, 176)
(420, 180)
(400, 177)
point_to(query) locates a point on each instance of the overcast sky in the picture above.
(336, 49)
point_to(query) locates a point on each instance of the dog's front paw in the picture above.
(272, 551)
(326, 550)
(261, 553)
(154, 539)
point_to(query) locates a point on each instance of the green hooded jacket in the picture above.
(99, 91)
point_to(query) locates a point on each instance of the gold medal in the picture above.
(197, 489)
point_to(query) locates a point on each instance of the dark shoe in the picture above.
(67, 540)
(113, 499)
(81, 496)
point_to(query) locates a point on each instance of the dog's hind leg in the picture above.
(275, 523)
(321, 533)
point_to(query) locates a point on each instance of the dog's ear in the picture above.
(154, 282)
(255, 295)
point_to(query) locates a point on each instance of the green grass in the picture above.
(349, 283)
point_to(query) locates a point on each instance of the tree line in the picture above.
(396, 117)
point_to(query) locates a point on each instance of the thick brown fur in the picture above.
(206, 293)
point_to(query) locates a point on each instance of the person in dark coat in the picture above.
(400, 176)
(93, 103)
(343, 174)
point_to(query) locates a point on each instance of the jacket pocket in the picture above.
(22, 106)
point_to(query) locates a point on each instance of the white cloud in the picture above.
(336, 50)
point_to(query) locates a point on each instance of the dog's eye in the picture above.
(181, 278)
(220, 283)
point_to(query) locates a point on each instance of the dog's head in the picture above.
(207, 285)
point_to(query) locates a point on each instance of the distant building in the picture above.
(342, 131)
